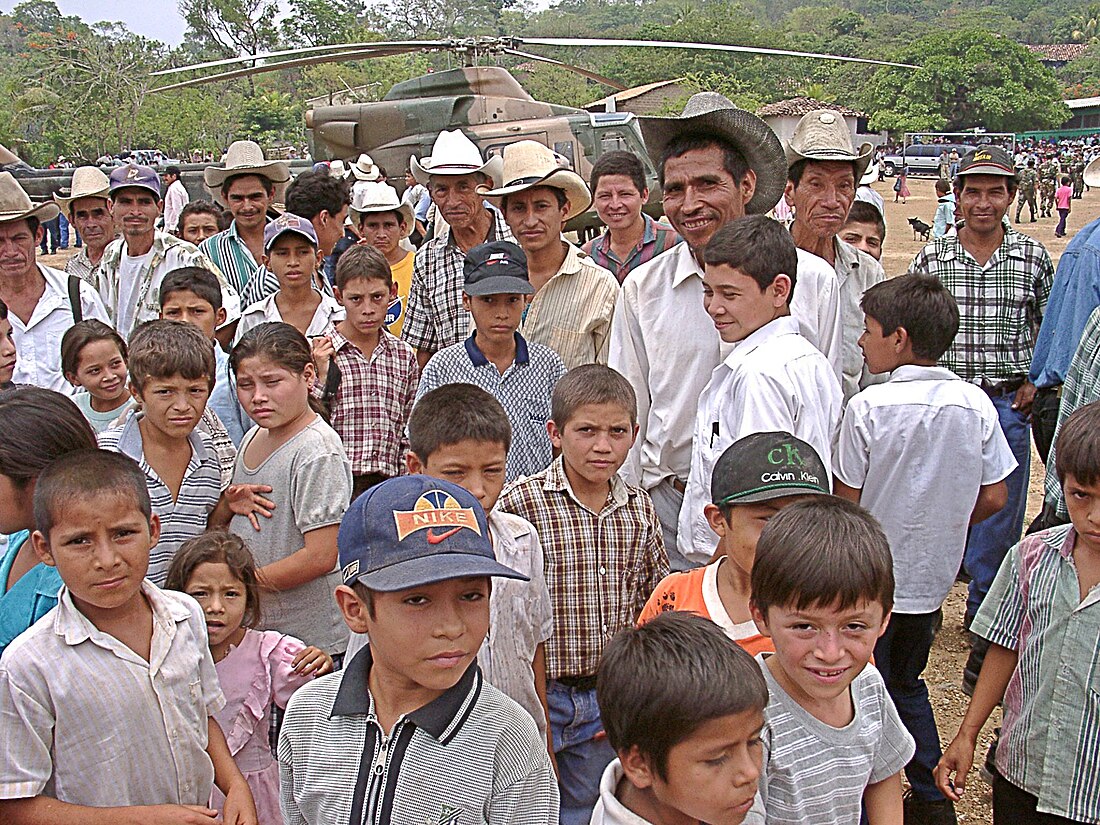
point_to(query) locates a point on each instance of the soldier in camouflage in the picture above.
(1048, 182)
(1077, 176)
(1029, 180)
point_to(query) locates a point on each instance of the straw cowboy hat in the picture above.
(528, 163)
(709, 113)
(364, 169)
(871, 175)
(88, 182)
(824, 135)
(380, 197)
(244, 158)
(337, 169)
(455, 154)
(16, 204)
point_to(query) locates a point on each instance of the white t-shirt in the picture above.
(130, 269)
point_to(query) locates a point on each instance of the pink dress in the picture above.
(254, 674)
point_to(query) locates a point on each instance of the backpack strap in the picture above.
(74, 299)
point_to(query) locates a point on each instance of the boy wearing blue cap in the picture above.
(409, 731)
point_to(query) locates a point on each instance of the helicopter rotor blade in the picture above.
(599, 78)
(335, 48)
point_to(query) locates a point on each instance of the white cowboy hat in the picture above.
(455, 154)
(87, 182)
(379, 197)
(871, 175)
(16, 204)
(528, 163)
(243, 157)
(823, 135)
(1092, 173)
(337, 169)
(364, 169)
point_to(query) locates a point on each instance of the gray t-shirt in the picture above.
(815, 773)
(310, 479)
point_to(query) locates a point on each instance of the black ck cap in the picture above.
(763, 466)
(496, 268)
(987, 160)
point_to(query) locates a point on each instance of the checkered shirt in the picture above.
(232, 256)
(81, 266)
(435, 317)
(656, 238)
(373, 402)
(1001, 304)
(600, 567)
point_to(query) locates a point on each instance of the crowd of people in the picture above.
(351, 509)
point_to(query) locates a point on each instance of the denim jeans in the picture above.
(1060, 229)
(581, 749)
(63, 231)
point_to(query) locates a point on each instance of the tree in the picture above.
(322, 23)
(232, 27)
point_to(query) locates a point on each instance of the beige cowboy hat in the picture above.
(244, 157)
(337, 169)
(823, 135)
(88, 182)
(709, 113)
(364, 169)
(16, 204)
(455, 154)
(528, 163)
(871, 175)
(379, 197)
(1092, 173)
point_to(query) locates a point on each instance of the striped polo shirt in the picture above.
(232, 256)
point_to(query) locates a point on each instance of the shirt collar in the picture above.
(685, 264)
(385, 339)
(75, 627)
(129, 443)
(846, 254)
(523, 356)
(558, 482)
(918, 372)
(949, 247)
(784, 325)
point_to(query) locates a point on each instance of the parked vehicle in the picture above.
(922, 159)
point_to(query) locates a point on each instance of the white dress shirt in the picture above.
(174, 200)
(261, 312)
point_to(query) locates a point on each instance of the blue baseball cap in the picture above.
(289, 222)
(415, 530)
(132, 174)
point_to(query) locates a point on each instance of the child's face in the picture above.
(271, 394)
(496, 317)
(222, 597)
(881, 350)
(16, 505)
(865, 236)
(293, 259)
(101, 370)
(595, 441)
(382, 230)
(184, 305)
(198, 227)
(477, 466)
(366, 301)
(1083, 504)
(737, 304)
(738, 535)
(7, 351)
(173, 405)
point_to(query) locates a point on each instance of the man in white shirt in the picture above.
(175, 198)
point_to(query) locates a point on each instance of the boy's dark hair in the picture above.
(172, 170)
(312, 193)
(454, 413)
(757, 246)
(1077, 448)
(196, 279)
(79, 336)
(863, 212)
(362, 261)
(591, 384)
(87, 474)
(822, 552)
(659, 683)
(268, 184)
(219, 547)
(942, 186)
(203, 207)
(922, 305)
(732, 160)
(163, 349)
(619, 163)
(49, 422)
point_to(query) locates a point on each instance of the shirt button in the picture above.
(378, 769)
(603, 570)
(605, 628)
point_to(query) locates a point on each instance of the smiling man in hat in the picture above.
(384, 221)
(42, 302)
(574, 298)
(435, 317)
(89, 211)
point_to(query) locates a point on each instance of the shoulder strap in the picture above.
(74, 299)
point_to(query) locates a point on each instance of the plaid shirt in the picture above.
(81, 266)
(232, 256)
(600, 567)
(656, 238)
(1001, 304)
(373, 402)
(435, 317)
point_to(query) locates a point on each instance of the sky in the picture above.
(158, 19)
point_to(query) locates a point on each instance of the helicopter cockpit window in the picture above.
(564, 149)
(612, 141)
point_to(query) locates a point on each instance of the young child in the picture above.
(755, 478)
(375, 373)
(300, 458)
(1062, 200)
(257, 669)
(108, 701)
(865, 229)
(384, 222)
(445, 746)
(925, 455)
(7, 348)
(1042, 618)
(822, 589)
(679, 761)
(603, 555)
(93, 357)
(291, 252)
(200, 220)
(943, 222)
(773, 380)
(497, 358)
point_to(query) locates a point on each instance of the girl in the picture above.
(901, 185)
(302, 460)
(93, 357)
(256, 669)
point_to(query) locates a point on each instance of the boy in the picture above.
(200, 220)
(291, 253)
(604, 554)
(755, 478)
(385, 223)
(679, 761)
(1062, 198)
(108, 701)
(924, 454)
(7, 348)
(772, 380)
(1042, 617)
(409, 729)
(520, 374)
(865, 229)
(366, 376)
(944, 220)
(822, 589)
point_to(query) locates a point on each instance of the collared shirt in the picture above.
(225, 451)
(265, 283)
(174, 200)
(30, 598)
(224, 404)
(920, 447)
(1051, 714)
(185, 516)
(944, 217)
(600, 566)
(773, 380)
(89, 722)
(524, 390)
(666, 345)
(856, 272)
(657, 237)
(1001, 304)
(328, 312)
(82, 267)
(232, 256)
(38, 341)
(435, 317)
(470, 755)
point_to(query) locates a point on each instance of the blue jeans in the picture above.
(901, 655)
(991, 540)
(1060, 229)
(581, 749)
(63, 230)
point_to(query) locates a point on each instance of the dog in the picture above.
(920, 229)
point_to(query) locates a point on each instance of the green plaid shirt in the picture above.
(1001, 304)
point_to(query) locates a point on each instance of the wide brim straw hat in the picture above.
(528, 163)
(16, 204)
(244, 157)
(823, 135)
